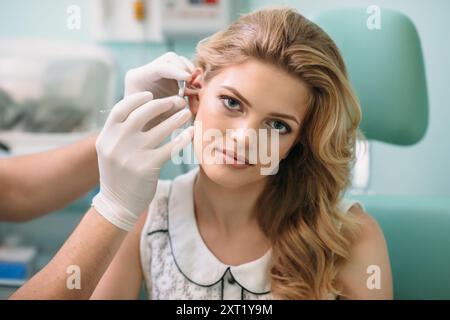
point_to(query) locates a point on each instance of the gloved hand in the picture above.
(129, 157)
(159, 76)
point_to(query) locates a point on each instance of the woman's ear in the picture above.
(194, 90)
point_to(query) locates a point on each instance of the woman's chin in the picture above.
(230, 176)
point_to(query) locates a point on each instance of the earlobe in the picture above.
(193, 104)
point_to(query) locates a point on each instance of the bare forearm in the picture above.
(90, 249)
(37, 184)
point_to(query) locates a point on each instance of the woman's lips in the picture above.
(236, 162)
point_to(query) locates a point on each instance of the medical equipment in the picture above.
(51, 92)
(182, 86)
(126, 20)
(16, 264)
(158, 20)
(139, 10)
(198, 17)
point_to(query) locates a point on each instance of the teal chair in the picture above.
(386, 69)
(418, 238)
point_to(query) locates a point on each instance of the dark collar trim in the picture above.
(189, 279)
(157, 231)
(256, 293)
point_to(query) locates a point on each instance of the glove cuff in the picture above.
(117, 215)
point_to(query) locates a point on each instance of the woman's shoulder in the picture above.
(369, 226)
(348, 205)
(369, 230)
(368, 254)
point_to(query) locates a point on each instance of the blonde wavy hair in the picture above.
(298, 211)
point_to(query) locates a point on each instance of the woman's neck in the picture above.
(230, 210)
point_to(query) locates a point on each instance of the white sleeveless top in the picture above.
(176, 262)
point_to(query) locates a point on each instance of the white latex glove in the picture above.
(159, 76)
(130, 157)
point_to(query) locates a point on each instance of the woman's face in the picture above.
(240, 100)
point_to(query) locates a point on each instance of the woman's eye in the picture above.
(280, 126)
(230, 103)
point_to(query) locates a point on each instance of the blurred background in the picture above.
(62, 63)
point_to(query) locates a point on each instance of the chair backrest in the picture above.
(417, 234)
(386, 69)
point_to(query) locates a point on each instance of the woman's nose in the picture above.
(245, 133)
(238, 134)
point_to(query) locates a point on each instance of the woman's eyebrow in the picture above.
(237, 93)
(275, 114)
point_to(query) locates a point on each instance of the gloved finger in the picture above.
(157, 134)
(181, 62)
(172, 57)
(173, 147)
(168, 56)
(170, 70)
(189, 65)
(160, 118)
(139, 117)
(123, 108)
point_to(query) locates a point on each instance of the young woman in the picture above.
(224, 231)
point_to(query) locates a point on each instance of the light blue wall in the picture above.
(419, 169)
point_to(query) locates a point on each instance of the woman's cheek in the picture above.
(206, 125)
(214, 107)
(285, 147)
(213, 114)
